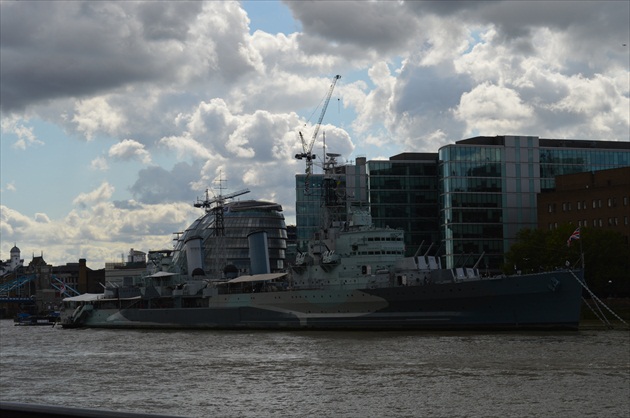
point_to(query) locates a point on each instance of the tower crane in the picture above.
(216, 205)
(307, 147)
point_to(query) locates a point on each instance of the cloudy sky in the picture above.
(117, 115)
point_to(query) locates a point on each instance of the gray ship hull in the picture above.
(538, 301)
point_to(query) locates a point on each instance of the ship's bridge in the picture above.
(374, 242)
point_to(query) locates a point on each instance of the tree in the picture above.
(606, 256)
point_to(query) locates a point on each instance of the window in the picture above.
(594, 203)
(579, 205)
(609, 202)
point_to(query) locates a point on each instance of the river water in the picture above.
(319, 374)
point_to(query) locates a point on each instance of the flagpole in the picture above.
(581, 251)
(576, 235)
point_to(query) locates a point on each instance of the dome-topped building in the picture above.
(16, 261)
(13, 263)
(217, 242)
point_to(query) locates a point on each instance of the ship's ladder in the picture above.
(598, 304)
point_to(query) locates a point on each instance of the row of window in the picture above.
(547, 155)
(475, 215)
(581, 204)
(240, 242)
(396, 238)
(474, 200)
(262, 223)
(382, 168)
(403, 183)
(465, 153)
(547, 172)
(404, 211)
(377, 253)
(584, 156)
(466, 169)
(473, 185)
(393, 197)
(595, 222)
(550, 171)
(476, 231)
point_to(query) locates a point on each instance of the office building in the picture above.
(219, 238)
(403, 194)
(346, 185)
(596, 199)
(489, 188)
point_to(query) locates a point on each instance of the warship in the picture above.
(351, 275)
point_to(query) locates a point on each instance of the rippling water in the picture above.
(319, 374)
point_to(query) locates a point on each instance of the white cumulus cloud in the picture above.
(101, 194)
(130, 149)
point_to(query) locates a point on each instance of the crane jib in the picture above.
(308, 147)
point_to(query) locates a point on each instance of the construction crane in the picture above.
(307, 147)
(216, 205)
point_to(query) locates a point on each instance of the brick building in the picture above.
(598, 199)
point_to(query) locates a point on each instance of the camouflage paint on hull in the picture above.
(537, 301)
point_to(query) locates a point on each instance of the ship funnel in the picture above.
(258, 253)
(194, 254)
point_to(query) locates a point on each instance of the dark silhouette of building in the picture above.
(80, 277)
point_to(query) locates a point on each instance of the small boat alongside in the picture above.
(47, 319)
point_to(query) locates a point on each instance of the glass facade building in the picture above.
(231, 248)
(308, 205)
(489, 186)
(347, 185)
(403, 194)
(469, 199)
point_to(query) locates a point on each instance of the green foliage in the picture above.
(606, 256)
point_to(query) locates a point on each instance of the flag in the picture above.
(62, 289)
(574, 235)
